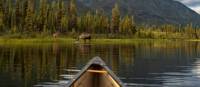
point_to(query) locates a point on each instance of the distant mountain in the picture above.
(146, 11)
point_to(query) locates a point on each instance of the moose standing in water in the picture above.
(84, 36)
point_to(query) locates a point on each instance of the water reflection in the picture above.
(142, 64)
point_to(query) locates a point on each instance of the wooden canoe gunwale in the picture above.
(95, 61)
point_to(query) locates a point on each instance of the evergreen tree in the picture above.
(59, 14)
(1, 21)
(13, 22)
(101, 22)
(18, 12)
(72, 13)
(29, 19)
(1, 5)
(64, 24)
(189, 29)
(1, 16)
(7, 13)
(127, 25)
(51, 17)
(115, 19)
(89, 26)
(41, 19)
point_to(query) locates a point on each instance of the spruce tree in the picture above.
(18, 12)
(89, 22)
(189, 29)
(41, 19)
(59, 14)
(1, 21)
(72, 13)
(101, 22)
(127, 25)
(115, 19)
(29, 21)
(1, 16)
(7, 12)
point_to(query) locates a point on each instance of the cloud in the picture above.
(197, 9)
(193, 4)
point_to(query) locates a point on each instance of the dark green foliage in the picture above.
(72, 15)
(1, 16)
(115, 19)
(29, 19)
(25, 18)
(127, 25)
(42, 17)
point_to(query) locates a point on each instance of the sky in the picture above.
(193, 4)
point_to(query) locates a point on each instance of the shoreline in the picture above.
(93, 41)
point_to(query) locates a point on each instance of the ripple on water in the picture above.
(141, 85)
(62, 82)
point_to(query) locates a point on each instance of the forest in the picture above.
(25, 19)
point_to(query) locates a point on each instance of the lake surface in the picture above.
(141, 64)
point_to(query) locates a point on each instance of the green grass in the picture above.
(73, 41)
(120, 41)
(195, 40)
(142, 36)
(37, 41)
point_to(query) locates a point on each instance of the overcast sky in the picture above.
(193, 4)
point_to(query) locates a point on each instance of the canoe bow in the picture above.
(95, 74)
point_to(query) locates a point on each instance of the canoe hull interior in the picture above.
(96, 74)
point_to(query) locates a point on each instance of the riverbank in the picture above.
(93, 41)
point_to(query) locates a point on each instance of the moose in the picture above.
(56, 34)
(84, 36)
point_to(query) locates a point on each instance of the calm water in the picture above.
(143, 64)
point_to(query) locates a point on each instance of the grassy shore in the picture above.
(36, 40)
(69, 38)
(93, 41)
(195, 40)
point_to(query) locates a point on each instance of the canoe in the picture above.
(96, 74)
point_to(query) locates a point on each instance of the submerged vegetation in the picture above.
(25, 19)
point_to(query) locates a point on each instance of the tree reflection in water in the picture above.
(136, 64)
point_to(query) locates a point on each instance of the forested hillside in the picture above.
(25, 16)
(146, 11)
(45, 17)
